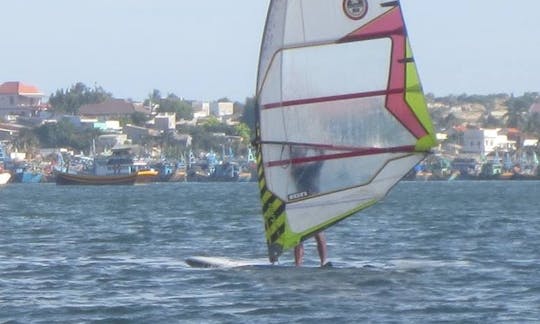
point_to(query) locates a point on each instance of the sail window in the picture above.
(336, 69)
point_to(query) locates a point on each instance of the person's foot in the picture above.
(328, 264)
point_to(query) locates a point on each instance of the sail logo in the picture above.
(355, 9)
(298, 195)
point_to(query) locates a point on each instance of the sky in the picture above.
(206, 50)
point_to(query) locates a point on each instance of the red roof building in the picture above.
(19, 99)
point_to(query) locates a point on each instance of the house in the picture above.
(484, 141)
(17, 98)
(165, 121)
(220, 109)
(139, 134)
(200, 109)
(112, 108)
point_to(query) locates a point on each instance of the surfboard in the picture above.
(224, 262)
(221, 262)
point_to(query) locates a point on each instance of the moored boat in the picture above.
(4, 177)
(116, 169)
(148, 175)
(63, 178)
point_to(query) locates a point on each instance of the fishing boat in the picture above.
(341, 113)
(116, 169)
(88, 179)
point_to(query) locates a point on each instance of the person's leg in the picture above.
(299, 254)
(321, 247)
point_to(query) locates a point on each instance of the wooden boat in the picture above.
(63, 178)
(116, 169)
(147, 176)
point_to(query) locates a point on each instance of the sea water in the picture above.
(430, 252)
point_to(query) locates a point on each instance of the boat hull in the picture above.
(93, 180)
(4, 177)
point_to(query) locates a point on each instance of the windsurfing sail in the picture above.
(341, 113)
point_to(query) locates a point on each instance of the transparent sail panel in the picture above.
(363, 122)
(306, 214)
(333, 70)
(330, 70)
(314, 21)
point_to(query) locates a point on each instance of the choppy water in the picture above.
(437, 252)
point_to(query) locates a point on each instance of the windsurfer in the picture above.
(306, 176)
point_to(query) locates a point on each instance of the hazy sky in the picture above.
(209, 49)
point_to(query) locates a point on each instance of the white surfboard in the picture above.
(224, 262)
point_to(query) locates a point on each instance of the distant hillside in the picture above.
(496, 110)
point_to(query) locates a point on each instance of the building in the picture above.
(17, 98)
(485, 141)
(165, 121)
(200, 109)
(221, 109)
(112, 108)
(138, 134)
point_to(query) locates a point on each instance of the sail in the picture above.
(341, 113)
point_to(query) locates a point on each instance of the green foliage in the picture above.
(518, 107)
(26, 140)
(139, 118)
(64, 134)
(69, 101)
(243, 131)
(174, 104)
(212, 124)
(249, 116)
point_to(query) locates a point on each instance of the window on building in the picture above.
(11, 101)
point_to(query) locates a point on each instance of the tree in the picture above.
(517, 110)
(26, 141)
(153, 99)
(65, 134)
(69, 101)
(139, 118)
(243, 131)
(250, 113)
(174, 104)
(491, 122)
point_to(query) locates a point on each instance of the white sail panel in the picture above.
(307, 214)
(333, 175)
(315, 21)
(322, 71)
(301, 22)
(272, 39)
(361, 122)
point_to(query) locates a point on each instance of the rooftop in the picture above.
(19, 88)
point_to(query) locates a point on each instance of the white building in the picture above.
(165, 121)
(484, 141)
(200, 109)
(221, 109)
